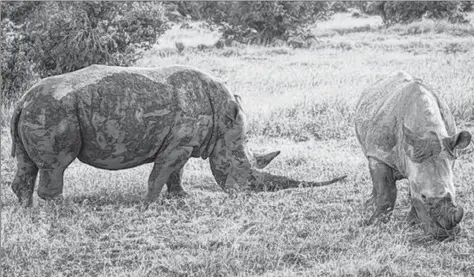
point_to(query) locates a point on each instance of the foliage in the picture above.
(409, 11)
(50, 38)
(257, 22)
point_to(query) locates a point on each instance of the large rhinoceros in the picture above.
(407, 131)
(116, 118)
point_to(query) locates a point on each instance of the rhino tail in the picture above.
(324, 183)
(14, 129)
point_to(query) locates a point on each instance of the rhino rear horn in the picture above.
(264, 160)
(423, 147)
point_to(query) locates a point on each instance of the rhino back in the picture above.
(388, 104)
(124, 119)
(127, 117)
(125, 114)
(376, 115)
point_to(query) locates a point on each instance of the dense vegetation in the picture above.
(48, 38)
(41, 39)
(409, 11)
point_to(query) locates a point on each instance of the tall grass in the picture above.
(298, 101)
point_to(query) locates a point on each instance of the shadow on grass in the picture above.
(100, 200)
(121, 199)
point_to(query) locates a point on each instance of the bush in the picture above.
(50, 38)
(409, 11)
(257, 22)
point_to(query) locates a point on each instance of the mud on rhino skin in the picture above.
(407, 131)
(115, 118)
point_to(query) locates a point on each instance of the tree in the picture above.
(49, 38)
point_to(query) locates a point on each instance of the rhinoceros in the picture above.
(116, 118)
(407, 131)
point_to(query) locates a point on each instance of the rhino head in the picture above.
(430, 162)
(235, 167)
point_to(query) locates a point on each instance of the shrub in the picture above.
(409, 11)
(257, 22)
(50, 38)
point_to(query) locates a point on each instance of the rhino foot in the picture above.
(177, 194)
(369, 203)
(380, 216)
(55, 201)
(25, 199)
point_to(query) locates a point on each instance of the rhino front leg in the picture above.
(174, 184)
(167, 164)
(384, 191)
(51, 183)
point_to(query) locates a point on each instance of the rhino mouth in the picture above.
(441, 219)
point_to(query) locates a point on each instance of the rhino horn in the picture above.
(423, 147)
(263, 160)
(263, 181)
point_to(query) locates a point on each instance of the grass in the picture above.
(298, 101)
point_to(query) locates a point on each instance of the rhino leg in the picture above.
(174, 184)
(51, 183)
(166, 163)
(384, 192)
(23, 184)
(50, 133)
(412, 217)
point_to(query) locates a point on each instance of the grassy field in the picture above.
(299, 101)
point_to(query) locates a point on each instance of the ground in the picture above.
(299, 101)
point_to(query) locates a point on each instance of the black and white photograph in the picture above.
(237, 138)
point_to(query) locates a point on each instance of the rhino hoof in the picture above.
(177, 194)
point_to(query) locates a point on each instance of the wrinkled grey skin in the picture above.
(116, 118)
(407, 131)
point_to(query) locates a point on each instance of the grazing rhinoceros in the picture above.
(407, 131)
(116, 118)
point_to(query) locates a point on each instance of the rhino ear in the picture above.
(238, 99)
(264, 160)
(424, 147)
(460, 140)
(232, 110)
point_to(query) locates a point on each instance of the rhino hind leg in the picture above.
(384, 193)
(175, 189)
(52, 149)
(23, 184)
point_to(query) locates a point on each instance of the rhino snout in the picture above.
(441, 218)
